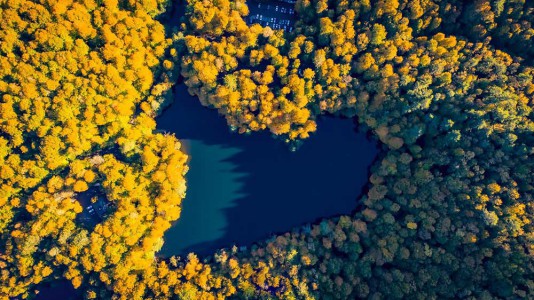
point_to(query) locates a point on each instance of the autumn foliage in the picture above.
(446, 86)
(80, 83)
(449, 210)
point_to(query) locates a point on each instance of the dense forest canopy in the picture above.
(446, 86)
(80, 82)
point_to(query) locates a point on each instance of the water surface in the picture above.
(243, 188)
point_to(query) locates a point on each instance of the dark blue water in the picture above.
(243, 188)
(60, 289)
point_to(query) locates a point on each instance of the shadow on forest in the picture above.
(242, 188)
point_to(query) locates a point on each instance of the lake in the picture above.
(244, 188)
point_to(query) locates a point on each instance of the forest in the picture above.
(446, 86)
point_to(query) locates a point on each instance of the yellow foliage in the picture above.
(80, 186)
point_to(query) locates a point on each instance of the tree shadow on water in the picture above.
(243, 188)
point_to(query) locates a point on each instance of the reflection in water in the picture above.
(216, 179)
(243, 188)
